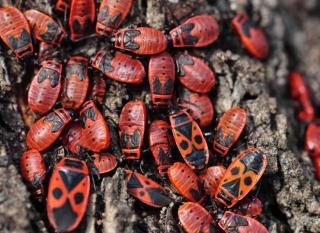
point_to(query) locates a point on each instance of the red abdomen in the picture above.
(76, 82)
(120, 67)
(252, 37)
(161, 74)
(194, 74)
(33, 170)
(104, 162)
(198, 31)
(159, 143)
(98, 88)
(199, 106)
(186, 182)
(95, 135)
(43, 27)
(132, 125)
(111, 14)
(45, 87)
(82, 15)
(142, 40)
(15, 31)
(229, 129)
(47, 129)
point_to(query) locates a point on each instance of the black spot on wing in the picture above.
(228, 140)
(24, 38)
(156, 85)
(124, 139)
(76, 26)
(91, 114)
(158, 196)
(233, 187)
(134, 182)
(168, 86)
(42, 75)
(252, 162)
(71, 178)
(135, 139)
(57, 123)
(13, 42)
(54, 78)
(64, 216)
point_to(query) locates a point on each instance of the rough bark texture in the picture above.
(288, 190)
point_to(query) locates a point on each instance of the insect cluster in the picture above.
(69, 101)
(306, 113)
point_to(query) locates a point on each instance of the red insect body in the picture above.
(82, 16)
(62, 5)
(199, 106)
(47, 129)
(198, 31)
(15, 31)
(194, 74)
(231, 222)
(161, 75)
(46, 51)
(71, 138)
(250, 207)
(241, 177)
(189, 140)
(104, 162)
(97, 91)
(142, 40)
(45, 87)
(312, 146)
(159, 143)
(95, 135)
(146, 190)
(111, 14)
(33, 170)
(193, 217)
(68, 194)
(229, 129)
(44, 28)
(300, 94)
(211, 178)
(186, 182)
(76, 82)
(132, 124)
(252, 37)
(120, 67)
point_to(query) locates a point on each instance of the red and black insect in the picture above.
(146, 190)
(68, 194)
(111, 14)
(193, 218)
(252, 37)
(71, 139)
(141, 40)
(62, 5)
(15, 31)
(45, 87)
(229, 129)
(251, 207)
(241, 176)
(120, 67)
(33, 170)
(194, 74)
(231, 222)
(161, 74)
(300, 94)
(95, 134)
(312, 145)
(76, 82)
(211, 178)
(189, 140)
(81, 20)
(46, 51)
(104, 162)
(159, 142)
(43, 27)
(199, 106)
(198, 31)
(47, 129)
(132, 125)
(98, 88)
(186, 182)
